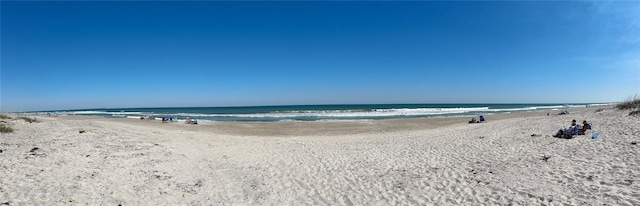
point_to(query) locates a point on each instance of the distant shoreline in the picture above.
(317, 113)
(328, 127)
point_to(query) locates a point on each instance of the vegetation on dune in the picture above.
(28, 119)
(2, 116)
(5, 129)
(632, 104)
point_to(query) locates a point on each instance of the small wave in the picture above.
(576, 106)
(288, 120)
(601, 104)
(527, 108)
(344, 120)
(327, 115)
(432, 110)
(124, 113)
(320, 111)
(83, 112)
(333, 113)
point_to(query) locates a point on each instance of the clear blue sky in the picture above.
(64, 55)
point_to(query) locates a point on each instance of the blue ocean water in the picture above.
(364, 112)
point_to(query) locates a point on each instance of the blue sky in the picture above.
(65, 55)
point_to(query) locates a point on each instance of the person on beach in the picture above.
(566, 132)
(585, 126)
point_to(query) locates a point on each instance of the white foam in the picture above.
(329, 115)
(576, 106)
(344, 120)
(124, 113)
(408, 112)
(288, 120)
(602, 104)
(84, 112)
(527, 108)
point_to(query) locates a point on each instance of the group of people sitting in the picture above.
(574, 129)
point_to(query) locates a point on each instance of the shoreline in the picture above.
(320, 113)
(311, 128)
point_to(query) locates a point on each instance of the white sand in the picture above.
(394, 162)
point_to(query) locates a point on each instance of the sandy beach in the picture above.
(511, 159)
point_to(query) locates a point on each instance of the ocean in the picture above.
(363, 112)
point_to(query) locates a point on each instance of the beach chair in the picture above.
(481, 118)
(571, 132)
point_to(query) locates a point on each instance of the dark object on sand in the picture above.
(0, 151)
(34, 149)
(536, 135)
(546, 158)
(82, 131)
(633, 143)
(474, 120)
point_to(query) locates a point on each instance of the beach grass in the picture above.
(5, 128)
(28, 119)
(2, 116)
(633, 103)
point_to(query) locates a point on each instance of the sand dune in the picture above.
(440, 161)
